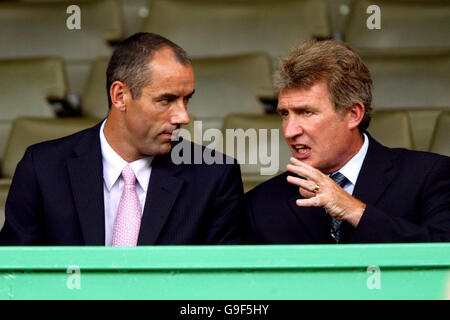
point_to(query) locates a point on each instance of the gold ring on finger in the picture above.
(316, 188)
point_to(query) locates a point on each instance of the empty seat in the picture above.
(226, 85)
(223, 27)
(94, 102)
(27, 86)
(418, 84)
(410, 81)
(423, 122)
(261, 154)
(441, 138)
(223, 85)
(392, 129)
(40, 29)
(28, 131)
(134, 14)
(415, 27)
(4, 189)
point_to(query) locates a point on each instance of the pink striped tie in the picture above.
(128, 220)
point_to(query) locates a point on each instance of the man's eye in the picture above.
(307, 113)
(283, 114)
(165, 101)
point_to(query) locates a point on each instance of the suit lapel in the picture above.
(375, 175)
(162, 192)
(86, 178)
(374, 178)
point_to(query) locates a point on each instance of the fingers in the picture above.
(302, 183)
(306, 193)
(310, 202)
(304, 170)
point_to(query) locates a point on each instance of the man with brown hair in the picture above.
(342, 186)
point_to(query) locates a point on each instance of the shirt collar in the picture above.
(352, 168)
(113, 165)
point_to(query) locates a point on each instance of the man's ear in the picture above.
(117, 93)
(355, 115)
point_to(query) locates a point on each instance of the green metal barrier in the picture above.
(388, 271)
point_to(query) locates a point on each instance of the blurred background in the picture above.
(53, 83)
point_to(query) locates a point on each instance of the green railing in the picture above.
(388, 271)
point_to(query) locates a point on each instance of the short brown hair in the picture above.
(335, 62)
(129, 62)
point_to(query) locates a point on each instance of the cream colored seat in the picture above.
(259, 146)
(94, 101)
(423, 122)
(392, 129)
(418, 84)
(223, 85)
(222, 27)
(4, 189)
(134, 13)
(28, 131)
(414, 27)
(39, 28)
(441, 138)
(410, 82)
(27, 85)
(226, 85)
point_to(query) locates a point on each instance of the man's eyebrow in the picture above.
(171, 96)
(167, 96)
(191, 94)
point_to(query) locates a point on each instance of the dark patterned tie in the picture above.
(341, 180)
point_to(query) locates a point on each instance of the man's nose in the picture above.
(180, 115)
(292, 128)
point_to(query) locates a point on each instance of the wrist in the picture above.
(355, 213)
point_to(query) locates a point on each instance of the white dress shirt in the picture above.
(113, 183)
(352, 168)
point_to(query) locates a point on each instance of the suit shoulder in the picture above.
(60, 147)
(412, 158)
(270, 188)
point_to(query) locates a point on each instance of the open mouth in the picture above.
(301, 148)
(301, 151)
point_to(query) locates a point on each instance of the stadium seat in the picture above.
(223, 85)
(27, 86)
(226, 85)
(252, 173)
(4, 189)
(441, 138)
(94, 101)
(28, 131)
(413, 27)
(134, 13)
(418, 84)
(222, 27)
(423, 123)
(39, 28)
(410, 81)
(392, 129)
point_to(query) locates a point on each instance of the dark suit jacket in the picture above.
(56, 198)
(407, 195)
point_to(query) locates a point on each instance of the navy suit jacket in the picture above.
(407, 194)
(56, 198)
